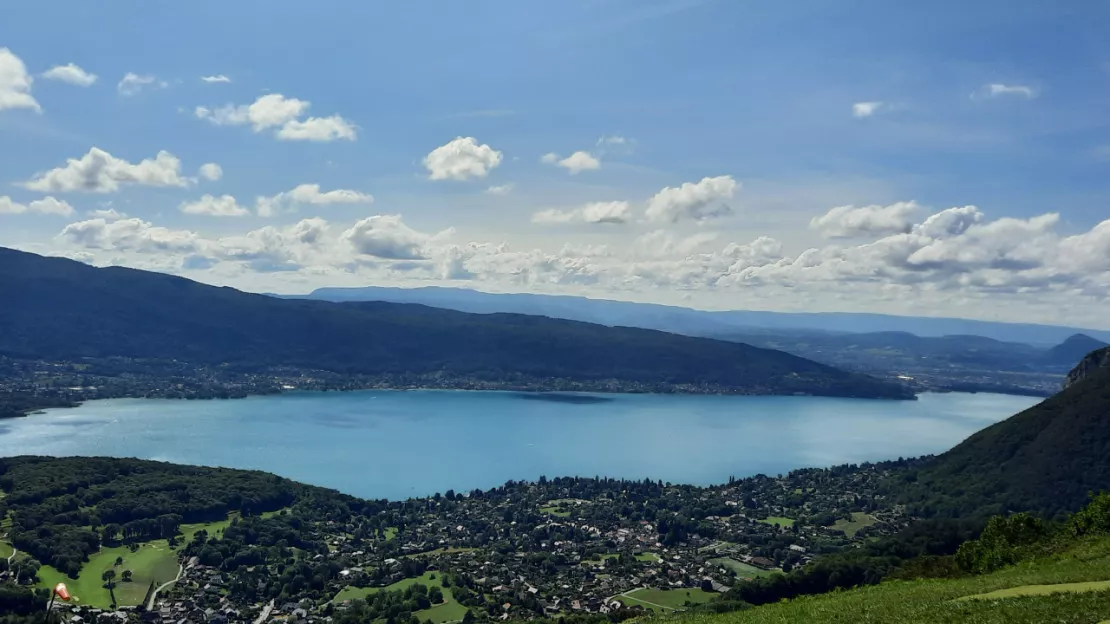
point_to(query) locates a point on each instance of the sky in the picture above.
(941, 159)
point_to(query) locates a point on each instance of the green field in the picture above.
(851, 527)
(213, 528)
(665, 599)
(554, 511)
(1022, 597)
(742, 570)
(5, 550)
(442, 551)
(390, 533)
(648, 556)
(779, 521)
(448, 611)
(154, 561)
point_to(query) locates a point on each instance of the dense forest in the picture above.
(70, 310)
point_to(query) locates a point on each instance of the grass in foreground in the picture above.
(154, 561)
(779, 521)
(904, 602)
(665, 600)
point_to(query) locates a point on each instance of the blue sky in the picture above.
(771, 115)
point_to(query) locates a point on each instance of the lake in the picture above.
(397, 444)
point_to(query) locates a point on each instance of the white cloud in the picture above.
(133, 84)
(216, 79)
(108, 214)
(222, 206)
(100, 172)
(850, 222)
(387, 237)
(130, 235)
(15, 83)
(580, 161)
(318, 129)
(72, 74)
(694, 201)
(211, 172)
(615, 212)
(613, 140)
(274, 110)
(503, 189)
(861, 110)
(461, 159)
(549, 158)
(309, 194)
(46, 205)
(997, 89)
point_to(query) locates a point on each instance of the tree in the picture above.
(119, 561)
(435, 595)
(468, 617)
(127, 576)
(108, 577)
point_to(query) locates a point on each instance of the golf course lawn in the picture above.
(779, 521)
(5, 550)
(154, 561)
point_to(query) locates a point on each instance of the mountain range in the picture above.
(701, 322)
(68, 310)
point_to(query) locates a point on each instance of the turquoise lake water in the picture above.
(393, 444)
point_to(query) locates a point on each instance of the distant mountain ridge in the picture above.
(69, 310)
(700, 322)
(1073, 349)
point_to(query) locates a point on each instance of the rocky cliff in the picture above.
(1088, 366)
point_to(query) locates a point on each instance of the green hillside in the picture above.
(898, 602)
(1045, 459)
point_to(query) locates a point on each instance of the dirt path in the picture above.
(150, 604)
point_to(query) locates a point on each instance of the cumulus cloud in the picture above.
(387, 237)
(70, 73)
(134, 84)
(596, 212)
(130, 234)
(851, 222)
(461, 159)
(503, 189)
(222, 206)
(15, 83)
(218, 78)
(100, 172)
(275, 111)
(695, 201)
(46, 205)
(997, 89)
(579, 161)
(211, 172)
(861, 110)
(309, 194)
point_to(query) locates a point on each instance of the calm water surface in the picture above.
(390, 444)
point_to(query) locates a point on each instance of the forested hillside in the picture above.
(1046, 459)
(68, 310)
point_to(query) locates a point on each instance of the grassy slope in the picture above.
(154, 561)
(859, 521)
(743, 570)
(900, 602)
